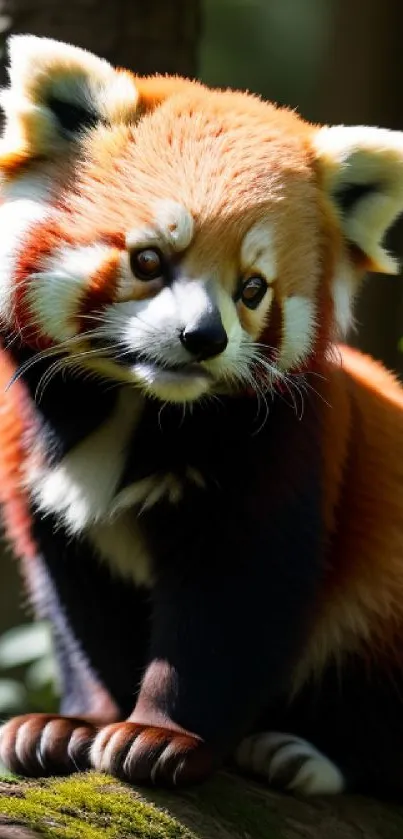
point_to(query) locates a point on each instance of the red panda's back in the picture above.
(363, 453)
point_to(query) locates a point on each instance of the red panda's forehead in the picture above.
(221, 156)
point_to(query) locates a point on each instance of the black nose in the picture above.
(205, 337)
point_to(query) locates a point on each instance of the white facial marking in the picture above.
(55, 293)
(298, 331)
(176, 223)
(343, 289)
(172, 229)
(152, 328)
(171, 386)
(24, 205)
(294, 763)
(143, 237)
(258, 253)
(193, 300)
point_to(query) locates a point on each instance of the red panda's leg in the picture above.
(344, 730)
(53, 744)
(46, 744)
(289, 763)
(227, 626)
(78, 597)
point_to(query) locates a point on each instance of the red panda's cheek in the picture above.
(289, 331)
(38, 248)
(271, 333)
(60, 286)
(298, 331)
(100, 290)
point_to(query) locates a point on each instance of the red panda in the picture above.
(204, 488)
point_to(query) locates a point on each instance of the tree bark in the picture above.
(147, 36)
(227, 807)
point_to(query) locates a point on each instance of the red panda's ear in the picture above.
(362, 172)
(56, 92)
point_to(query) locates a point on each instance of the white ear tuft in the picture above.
(57, 90)
(362, 170)
(30, 58)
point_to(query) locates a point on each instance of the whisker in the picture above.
(46, 378)
(50, 352)
(62, 364)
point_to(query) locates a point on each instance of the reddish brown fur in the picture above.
(362, 604)
(15, 420)
(39, 246)
(363, 594)
(101, 289)
(362, 496)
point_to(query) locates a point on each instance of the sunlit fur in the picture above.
(226, 188)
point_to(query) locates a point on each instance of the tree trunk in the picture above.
(147, 36)
(94, 806)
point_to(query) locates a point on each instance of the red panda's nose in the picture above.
(205, 337)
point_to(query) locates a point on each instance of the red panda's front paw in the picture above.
(46, 744)
(144, 754)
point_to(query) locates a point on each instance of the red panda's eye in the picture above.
(253, 291)
(147, 264)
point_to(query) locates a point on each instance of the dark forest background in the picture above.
(336, 61)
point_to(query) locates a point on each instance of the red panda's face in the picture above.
(183, 240)
(198, 220)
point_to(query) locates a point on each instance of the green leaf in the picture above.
(24, 644)
(12, 696)
(41, 673)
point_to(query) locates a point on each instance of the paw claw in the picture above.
(45, 744)
(150, 755)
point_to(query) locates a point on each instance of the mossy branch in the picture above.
(93, 806)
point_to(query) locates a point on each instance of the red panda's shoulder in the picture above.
(362, 446)
(363, 424)
(370, 377)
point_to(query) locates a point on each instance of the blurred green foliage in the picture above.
(272, 47)
(28, 681)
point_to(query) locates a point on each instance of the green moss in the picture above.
(89, 808)
(94, 806)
